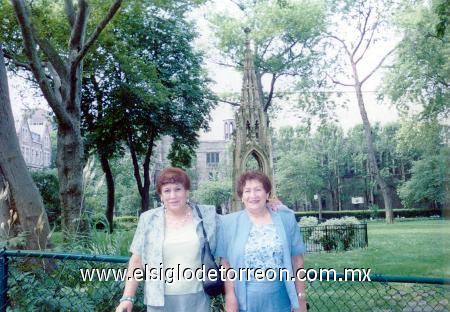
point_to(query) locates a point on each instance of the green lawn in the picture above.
(409, 247)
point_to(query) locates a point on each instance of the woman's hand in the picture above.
(274, 204)
(303, 306)
(125, 306)
(231, 303)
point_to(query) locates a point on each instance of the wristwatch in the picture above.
(127, 298)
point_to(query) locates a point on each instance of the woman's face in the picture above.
(254, 196)
(174, 196)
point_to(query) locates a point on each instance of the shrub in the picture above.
(374, 209)
(61, 289)
(308, 221)
(366, 214)
(335, 234)
(98, 222)
(47, 183)
(125, 222)
(307, 224)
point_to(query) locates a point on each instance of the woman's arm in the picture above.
(231, 302)
(130, 284)
(297, 263)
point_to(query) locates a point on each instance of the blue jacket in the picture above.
(233, 235)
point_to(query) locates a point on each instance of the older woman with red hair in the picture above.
(169, 239)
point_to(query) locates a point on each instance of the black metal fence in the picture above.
(43, 281)
(334, 237)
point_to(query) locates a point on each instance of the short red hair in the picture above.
(253, 175)
(172, 175)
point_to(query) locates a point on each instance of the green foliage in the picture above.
(423, 58)
(374, 211)
(127, 199)
(307, 225)
(299, 176)
(334, 165)
(416, 138)
(145, 81)
(427, 182)
(181, 154)
(341, 221)
(125, 222)
(442, 9)
(214, 193)
(308, 221)
(336, 234)
(152, 81)
(366, 214)
(284, 36)
(47, 183)
(421, 249)
(61, 287)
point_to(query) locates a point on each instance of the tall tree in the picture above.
(421, 145)
(150, 83)
(25, 199)
(365, 19)
(297, 168)
(58, 72)
(284, 34)
(423, 58)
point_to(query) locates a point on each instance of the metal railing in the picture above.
(45, 281)
(334, 237)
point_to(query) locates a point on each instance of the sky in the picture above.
(230, 81)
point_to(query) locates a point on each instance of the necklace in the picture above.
(174, 222)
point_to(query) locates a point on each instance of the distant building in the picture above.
(211, 152)
(33, 132)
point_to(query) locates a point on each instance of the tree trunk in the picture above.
(23, 192)
(370, 149)
(338, 187)
(70, 163)
(143, 188)
(146, 167)
(446, 208)
(319, 201)
(110, 187)
(402, 168)
(110, 190)
(63, 94)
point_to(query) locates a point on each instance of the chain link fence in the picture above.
(43, 281)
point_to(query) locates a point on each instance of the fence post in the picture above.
(3, 281)
(367, 237)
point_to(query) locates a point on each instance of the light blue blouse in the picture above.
(264, 248)
(232, 237)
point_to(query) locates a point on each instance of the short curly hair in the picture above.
(253, 175)
(172, 175)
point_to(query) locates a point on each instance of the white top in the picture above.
(181, 251)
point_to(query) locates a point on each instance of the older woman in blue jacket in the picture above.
(259, 238)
